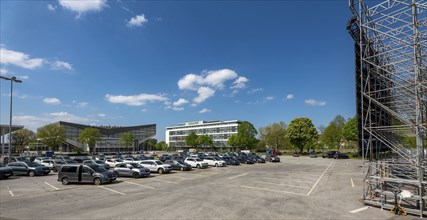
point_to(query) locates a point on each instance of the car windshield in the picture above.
(217, 158)
(99, 161)
(199, 159)
(119, 160)
(159, 162)
(98, 169)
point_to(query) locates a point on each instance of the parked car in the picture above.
(245, 159)
(165, 157)
(41, 159)
(80, 173)
(215, 161)
(134, 170)
(156, 166)
(339, 155)
(259, 159)
(97, 162)
(62, 158)
(229, 161)
(131, 160)
(5, 172)
(329, 154)
(112, 162)
(28, 168)
(178, 165)
(272, 158)
(295, 154)
(58, 163)
(196, 162)
(47, 163)
(313, 154)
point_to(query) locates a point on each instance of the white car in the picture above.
(47, 163)
(112, 162)
(156, 166)
(131, 160)
(215, 161)
(196, 162)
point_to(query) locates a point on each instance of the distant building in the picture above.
(110, 137)
(220, 131)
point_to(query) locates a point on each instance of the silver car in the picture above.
(134, 170)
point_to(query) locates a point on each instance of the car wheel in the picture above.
(198, 166)
(64, 181)
(216, 165)
(182, 168)
(55, 170)
(31, 173)
(161, 171)
(135, 175)
(97, 181)
(116, 173)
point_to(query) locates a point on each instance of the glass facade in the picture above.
(220, 131)
(110, 136)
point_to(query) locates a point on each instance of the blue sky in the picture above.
(129, 63)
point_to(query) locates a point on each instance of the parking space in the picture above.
(274, 190)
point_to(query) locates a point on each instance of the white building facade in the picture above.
(220, 131)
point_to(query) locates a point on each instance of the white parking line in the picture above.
(139, 184)
(51, 186)
(319, 178)
(281, 184)
(10, 192)
(112, 190)
(284, 179)
(352, 184)
(165, 181)
(250, 187)
(243, 174)
(359, 210)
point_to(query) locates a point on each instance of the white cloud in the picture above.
(180, 102)
(290, 96)
(315, 102)
(82, 104)
(215, 78)
(204, 93)
(53, 101)
(81, 7)
(19, 59)
(51, 7)
(144, 110)
(61, 65)
(137, 21)
(23, 77)
(102, 115)
(269, 98)
(255, 90)
(178, 108)
(189, 81)
(4, 71)
(135, 100)
(205, 110)
(240, 83)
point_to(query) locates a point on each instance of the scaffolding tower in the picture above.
(391, 93)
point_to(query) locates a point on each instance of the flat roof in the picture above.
(4, 128)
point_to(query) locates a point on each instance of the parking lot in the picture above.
(295, 188)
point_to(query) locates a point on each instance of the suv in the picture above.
(5, 172)
(156, 166)
(196, 162)
(134, 170)
(272, 158)
(215, 161)
(329, 154)
(28, 168)
(79, 173)
(112, 162)
(178, 165)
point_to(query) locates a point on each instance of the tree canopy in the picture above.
(90, 136)
(52, 135)
(333, 133)
(22, 138)
(350, 131)
(302, 133)
(274, 135)
(205, 140)
(246, 135)
(191, 139)
(126, 139)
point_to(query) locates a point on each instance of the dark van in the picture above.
(88, 173)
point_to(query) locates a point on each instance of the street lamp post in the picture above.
(12, 80)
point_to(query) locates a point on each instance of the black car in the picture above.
(246, 160)
(339, 155)
(259, 159)
(5, 172)
(296, 154)
(164, 158)
(329, 154)
(178, 165)
(313, 154)
(272, 158)
(28, 168)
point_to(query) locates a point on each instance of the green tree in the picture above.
(350, 131)
(246, 135)
(52, 135)
(22, 138)
(274, 135)
(233, 140)
(302, 133)
(151, 143)
(126, 139)
(333, 134)
(161, 146)
(205, 140)
(191, 139)
(90, 136)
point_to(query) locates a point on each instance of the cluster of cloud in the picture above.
(135, 100)
(208, 82)
(137, 21)
(314, 102)
(23, 60)
(52, 101)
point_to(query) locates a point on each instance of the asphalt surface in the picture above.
(295, 188)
